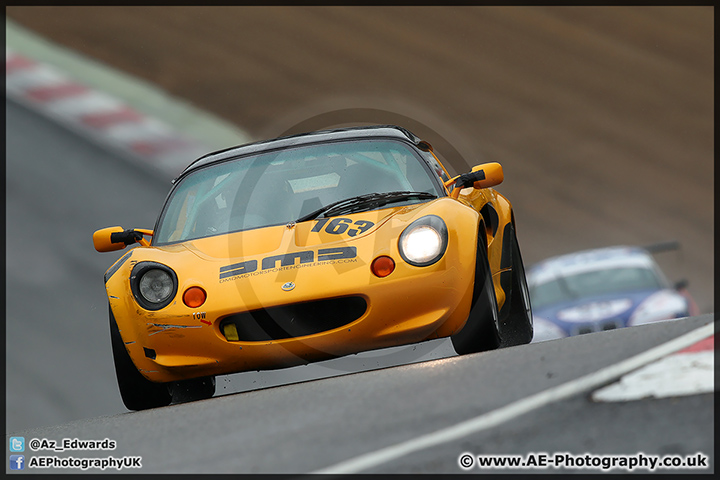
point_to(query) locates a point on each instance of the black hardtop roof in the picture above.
(373, 131)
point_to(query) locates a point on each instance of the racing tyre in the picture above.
(480, 333)
(516, 325)
(137, 392)
(191, 390)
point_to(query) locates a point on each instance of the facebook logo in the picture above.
(17, 444)
(17, 462)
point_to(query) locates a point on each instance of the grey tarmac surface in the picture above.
(579, 427)
(60, 189)
(303, 427)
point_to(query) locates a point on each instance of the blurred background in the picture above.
(602, 117)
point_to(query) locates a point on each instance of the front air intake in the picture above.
(295, 320)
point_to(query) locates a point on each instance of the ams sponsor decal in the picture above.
(289, 260)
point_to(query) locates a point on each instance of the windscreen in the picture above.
(276, 188)
(563, 289)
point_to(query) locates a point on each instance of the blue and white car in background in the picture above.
(603, 289)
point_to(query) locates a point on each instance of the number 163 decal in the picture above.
(340, 225)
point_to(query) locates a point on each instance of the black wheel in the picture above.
(480, 333)
(193, 389)
(137, 392)
(516, 324)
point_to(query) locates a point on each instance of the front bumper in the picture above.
(405, 310)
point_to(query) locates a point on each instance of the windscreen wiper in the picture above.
(369, 200)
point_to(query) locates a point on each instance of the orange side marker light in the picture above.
(194, 297)
(382, 266)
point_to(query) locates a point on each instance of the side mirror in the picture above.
(115, 238)
(492, 174)
(481, 176)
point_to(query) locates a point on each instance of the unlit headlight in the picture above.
(154, 285)
(424, 241)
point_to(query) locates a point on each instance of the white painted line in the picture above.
(517, 408)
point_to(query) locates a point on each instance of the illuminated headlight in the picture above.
(424, 241)
(153, 285)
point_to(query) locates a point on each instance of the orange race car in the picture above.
(309, 247)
